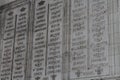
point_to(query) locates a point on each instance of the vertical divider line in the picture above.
(47, 41)
(108, 22)
(114, 36)
(27, 42)
(13, 46)
(88, 56)
(69, 38)
(32, 20)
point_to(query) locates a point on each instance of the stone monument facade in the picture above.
(60, 40)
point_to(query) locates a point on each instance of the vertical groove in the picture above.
(88, 59)
(13, 47)
(47, 41)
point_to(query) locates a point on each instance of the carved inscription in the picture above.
(20, 42)
(15, 43)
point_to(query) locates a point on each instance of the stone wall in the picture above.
(60, 40)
